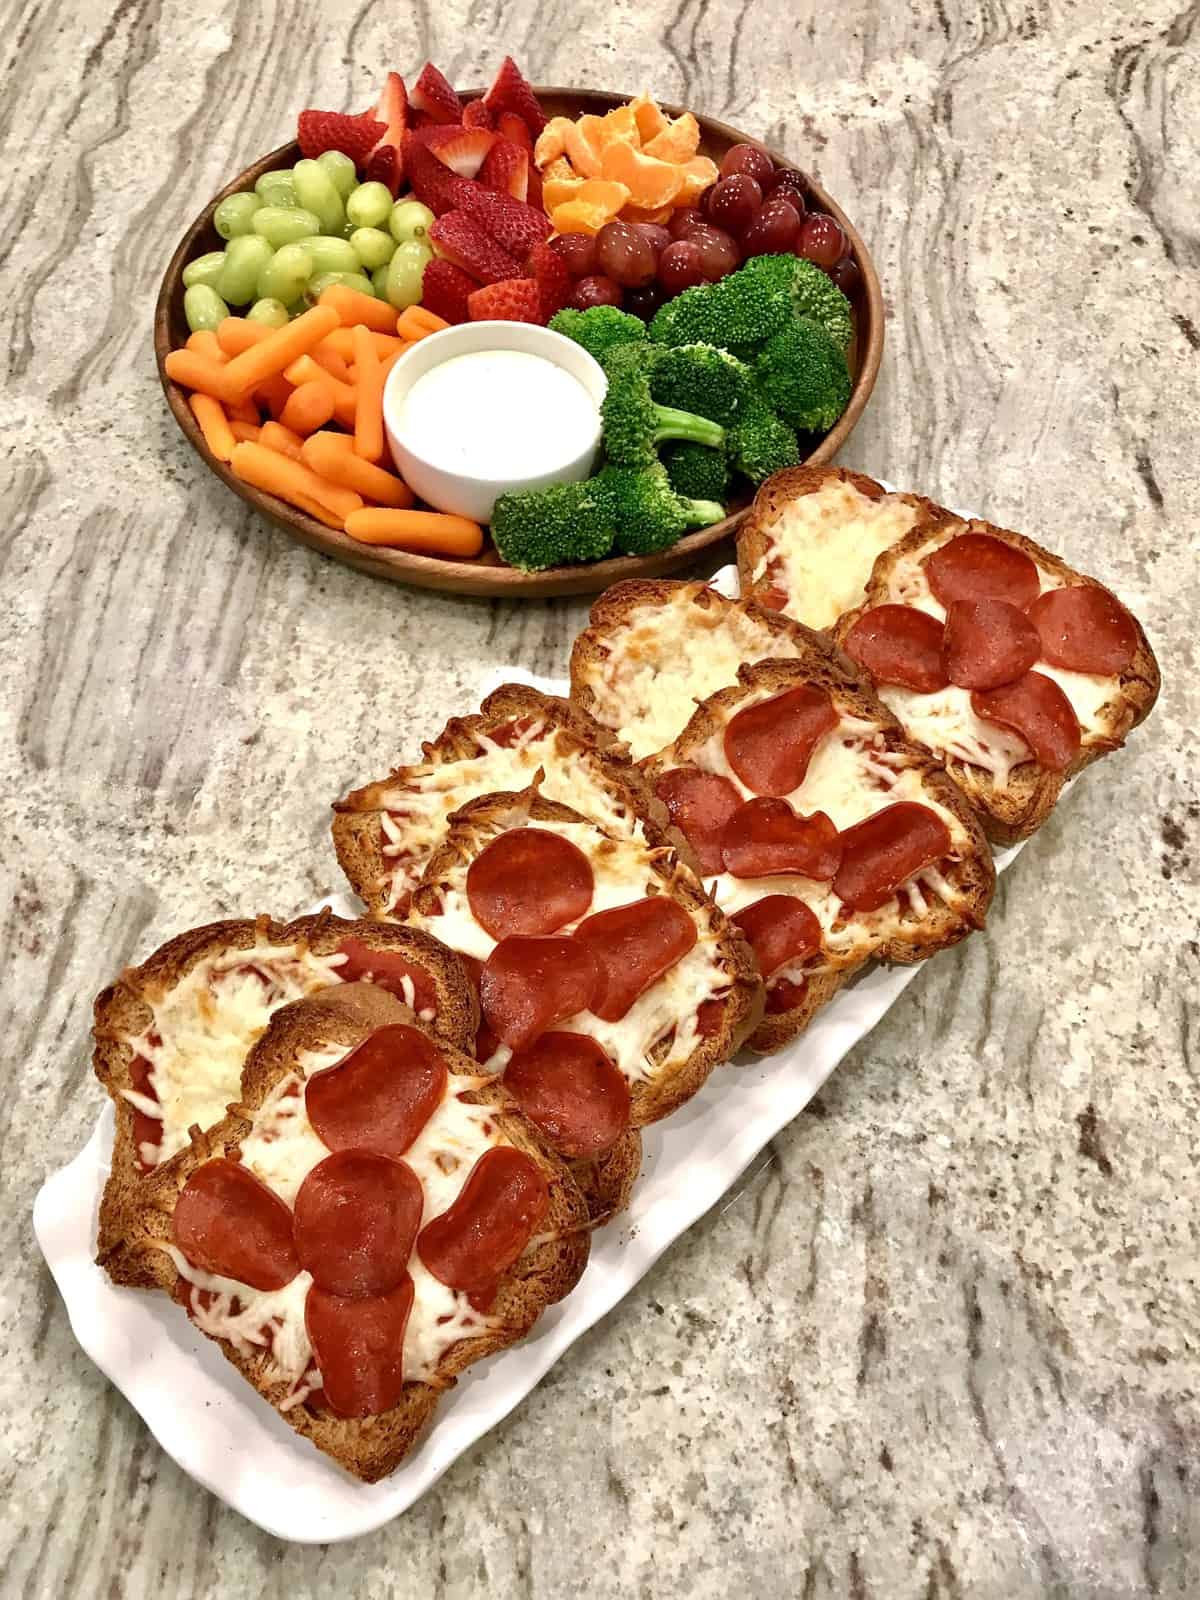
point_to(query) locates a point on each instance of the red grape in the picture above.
(788, 181)
(683, 220)
(679, 266)
(747, 158)
(596, 290)
(772, 232)
(718, 252)
(820, 240)
(578, 250)
(658, 236)
(644, 302)
(733, 202)
(788, 197)
(625, 254)
(846, 275)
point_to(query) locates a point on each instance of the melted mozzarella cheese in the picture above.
(822, 546)
(252, 1319)
(666, 658)
(205, 1026)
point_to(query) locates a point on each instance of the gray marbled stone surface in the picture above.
(946, 1342)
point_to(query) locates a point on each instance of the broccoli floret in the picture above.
(539, 528)
(738, 310)
(696, 471)
(634, 425)
(699, 378)
(632, 357)
(599, 328)
(647, 513)
(803, 374)
(809, 291)
(760, 443)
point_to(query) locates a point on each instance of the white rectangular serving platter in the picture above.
(209, 1420)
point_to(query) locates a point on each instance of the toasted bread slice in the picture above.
(172, 1035)
(813, 534)
(264, 1333)
(693, 1016)
(992, 764)
(858, 766)
(655, 648)
(385, 832)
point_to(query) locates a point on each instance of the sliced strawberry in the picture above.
(460, 239)
(534, 197)
(549, 271)
(506, 170)
(392, 110)
(384, 166)
(511, 92)
(463, 150)
(419, 119)
(432, 181)
(356, 137)
(477, 115)
(512, 300)
(445, 289)
(434, 96)
(510, 126)
(514, 225)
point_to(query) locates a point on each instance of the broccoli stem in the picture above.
(672, 424)
(701, 513)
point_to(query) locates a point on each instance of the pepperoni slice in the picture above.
(901, 645)
(710, 1018)
(1084, 629)
(988, 642)
(885, 850)
(387, 969)
(633, 946)
(780, 929)
(486, 1042)
(146, 1129)
(765, 837)
(1037, 709)
(977, 567)
(381, 1095)
(700, 804)
(769, 745)
(529, 880)
(359, 1347)
(357, 1215)
(530, 984)
(784, 996)
(227, 1221)
(568, 1087)
(507, 734)
(490, 1223)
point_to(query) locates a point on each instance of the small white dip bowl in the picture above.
(461, 492)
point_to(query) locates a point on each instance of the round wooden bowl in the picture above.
(487, 575)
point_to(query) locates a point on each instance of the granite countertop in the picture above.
(946, 1341)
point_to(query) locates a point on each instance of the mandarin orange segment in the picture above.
(560, 167)
(636, 214)
(584, 142)
(698, 174)
(551, 141)
(650, 183)
(621, 123)
(650, 120)
(559, 191)
(678, 141)
(595, 203)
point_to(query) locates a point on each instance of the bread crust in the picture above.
(974, 875)
(357, 828)
(776, 493)
(489, 815)
(1012, 811)
(372, 1447)
(122, 1012)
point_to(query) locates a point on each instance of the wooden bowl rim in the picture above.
(483, 577)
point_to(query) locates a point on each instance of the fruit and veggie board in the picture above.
(486, 574)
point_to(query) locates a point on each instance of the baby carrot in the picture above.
(274, 394)
(197, 372)
(328, 458)
(276, 437)
(204, 343)
(351, 306)
(309, 408)
(342, 340)
(432, 531)
(306, 370)
(291, 480)
(235, 334)
(281, 347)
(388, 362)
(416, 322)
(244, 410)
(368, 405)
(333, 363)
(214, 425)
(242, 431)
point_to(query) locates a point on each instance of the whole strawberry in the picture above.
(513, 300)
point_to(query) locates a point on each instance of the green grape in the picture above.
(203, 307)
(271, 313)
(349, 280)
(285, 277)
(315, 191)
(373, 247)
(406, 269)
(204, 269)
(277, 188)
(341, 170)
(409, 220)
(280, 225)
(370, 205)
(331, 255)
(245, 259)
(235, 215)
(379, 282)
